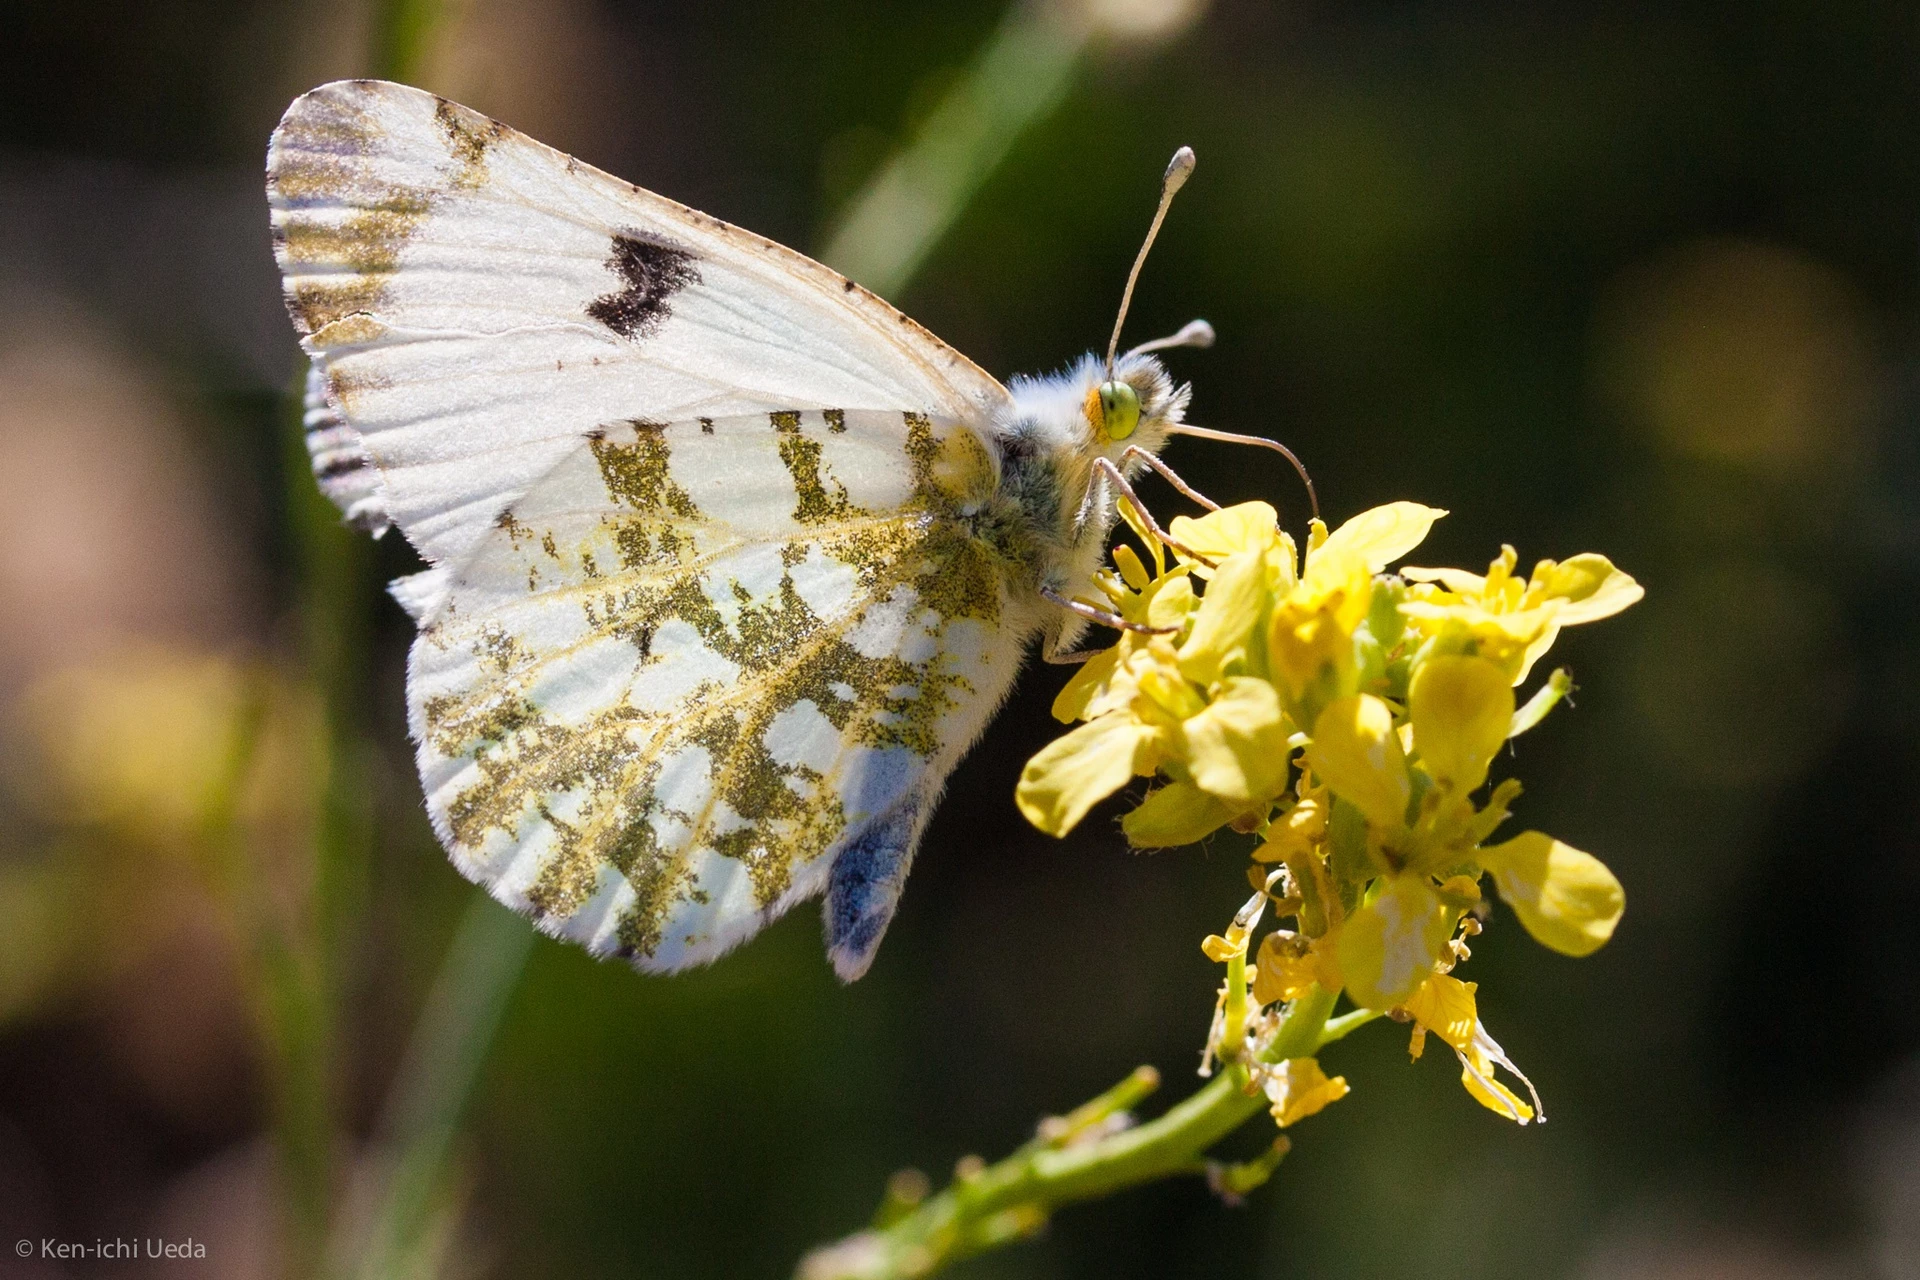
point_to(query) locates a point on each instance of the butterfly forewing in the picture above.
(341, 467)
(482, 301)
(697, 663)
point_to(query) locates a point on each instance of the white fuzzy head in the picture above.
(1065, 413)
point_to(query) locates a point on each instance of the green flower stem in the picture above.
(1234, 1022)
(1019, 77)
(282, 989)
(1558, 686)
(304, 962)
(1014, 1198)
(291, 998)
(1010, 1200)
(1125, 1096)
(1305, 1029)
(1338, 1028)
(430, 1091)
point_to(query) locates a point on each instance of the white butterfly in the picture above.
(731, 560)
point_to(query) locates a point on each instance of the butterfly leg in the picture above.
(1105, 617)
(1072, 658)
(1168, 474)
(1112, 473)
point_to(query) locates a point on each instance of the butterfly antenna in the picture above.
(1231, 437)
(1194, 333)
(1179, 169)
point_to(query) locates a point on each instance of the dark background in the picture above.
(1633, 278)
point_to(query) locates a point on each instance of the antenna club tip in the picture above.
(1198, 333)
(1180, 168)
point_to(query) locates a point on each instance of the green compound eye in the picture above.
(1119, 409)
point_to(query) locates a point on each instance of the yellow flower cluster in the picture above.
(1347, 717)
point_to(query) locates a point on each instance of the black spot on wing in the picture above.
(653, 271)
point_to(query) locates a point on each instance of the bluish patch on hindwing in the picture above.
(864, 886)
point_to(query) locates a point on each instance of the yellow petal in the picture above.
(1458, 581)
(1380, 536)
(1073, 773)
(1326, 962)
(1228, 614)
(1445, 1006)
(1236, 749)
(1283, 566)
(1132, 572)
(1164, 695)
(1512, 641)
(1122, 687)
(1477, 1062)
(1249, 526)
(1567, 899)
(1536, 651)
(1132, 516)
(1357, 754)
(1220, 950)
(1460, 710)
(1298, 1088)
(1388, 947)
(1591, 586)
(1281, 971)
(1071, 702)
(1176, 814)
(1168, 601)
(1309, 651)
(1491, 1094)
(1303, 827)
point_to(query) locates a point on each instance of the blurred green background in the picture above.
(1634, 278)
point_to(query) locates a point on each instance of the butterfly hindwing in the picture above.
(865, 880)
(482, 301)
(699, 666)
